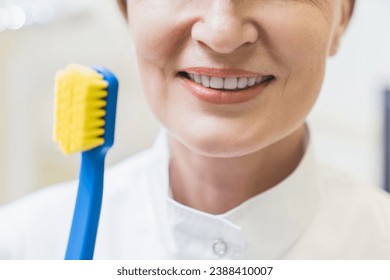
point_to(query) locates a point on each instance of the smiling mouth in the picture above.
(226, 83)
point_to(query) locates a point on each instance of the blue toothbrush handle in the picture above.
(81, 243)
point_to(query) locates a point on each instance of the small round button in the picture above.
(220, 247)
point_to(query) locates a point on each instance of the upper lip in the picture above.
(223, 73)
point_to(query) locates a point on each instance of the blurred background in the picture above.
(38, 37)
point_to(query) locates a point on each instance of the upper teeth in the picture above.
(226, 83)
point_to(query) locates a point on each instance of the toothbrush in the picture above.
(85, 122)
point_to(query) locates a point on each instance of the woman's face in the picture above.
(231, 77)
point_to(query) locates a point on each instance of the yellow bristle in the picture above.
(79, 109)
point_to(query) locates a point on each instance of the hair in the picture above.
(123, 2)
(123, 7)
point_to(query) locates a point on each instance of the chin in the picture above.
(220, 145)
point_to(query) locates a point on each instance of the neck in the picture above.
(217, 185)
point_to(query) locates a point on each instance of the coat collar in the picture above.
(264, 227)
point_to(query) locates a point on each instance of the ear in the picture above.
(123, 7)
(344, 17)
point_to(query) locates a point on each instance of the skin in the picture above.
(222, 155)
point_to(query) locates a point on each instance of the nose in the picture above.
(224, 28)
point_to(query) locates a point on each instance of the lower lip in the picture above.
(216, 96)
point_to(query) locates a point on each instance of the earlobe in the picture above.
(347, 7)
(123, 7)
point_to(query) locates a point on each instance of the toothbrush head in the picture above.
(85, 108)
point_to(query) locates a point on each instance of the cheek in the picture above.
(158, 35)
(151, 48)
(301, 49)
(156, 40)
(298, 43)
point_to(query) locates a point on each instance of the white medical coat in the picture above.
(315, 213)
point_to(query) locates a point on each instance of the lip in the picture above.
(217, 96)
